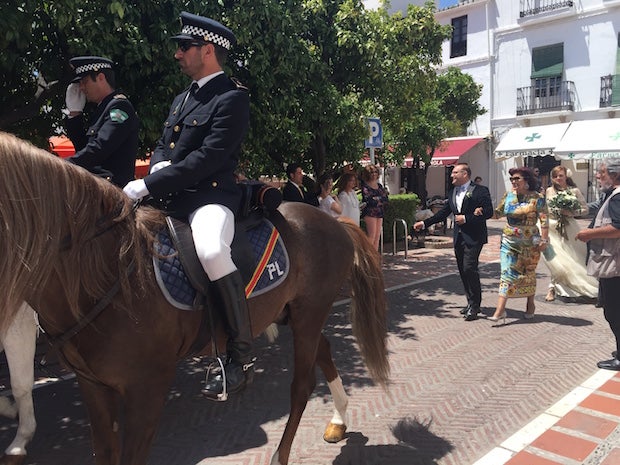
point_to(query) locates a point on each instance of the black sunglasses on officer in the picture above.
(185, 45)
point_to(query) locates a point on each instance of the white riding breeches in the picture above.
(213, 229)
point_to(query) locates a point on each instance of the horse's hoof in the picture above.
(12, 459)
(334, 433)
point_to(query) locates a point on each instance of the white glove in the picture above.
(160, 165)
(75, 98)
(135, 190)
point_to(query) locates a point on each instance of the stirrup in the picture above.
(213, 366)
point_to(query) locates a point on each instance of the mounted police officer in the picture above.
(109, 146)
(192, 172)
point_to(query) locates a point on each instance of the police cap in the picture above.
(199, 28)
(88, 64)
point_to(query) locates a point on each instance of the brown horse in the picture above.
(68, 238)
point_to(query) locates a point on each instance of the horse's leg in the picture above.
(305, 342)
(143, 408)
(142, 405)
(336, 428)
(20, 345)
(102, 403)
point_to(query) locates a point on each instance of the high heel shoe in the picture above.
(497, 318)
(529, 311)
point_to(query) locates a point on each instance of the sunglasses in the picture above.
(515, 178)
(185, 45)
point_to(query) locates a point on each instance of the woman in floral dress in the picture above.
(522, 241)
(375, 199)
(567, 258)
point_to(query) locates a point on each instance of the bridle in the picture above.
(105, 224)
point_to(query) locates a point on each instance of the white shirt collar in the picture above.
(202, 81)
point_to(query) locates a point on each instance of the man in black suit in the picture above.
(294, 190)
(192, 175)
(470, 231)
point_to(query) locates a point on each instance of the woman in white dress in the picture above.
(348, 197)
(566, 258)
(328, 201)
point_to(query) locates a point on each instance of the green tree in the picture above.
(314, 68)
(458, 95)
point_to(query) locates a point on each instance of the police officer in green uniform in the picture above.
(108, 147)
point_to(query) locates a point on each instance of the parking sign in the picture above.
(375, 133)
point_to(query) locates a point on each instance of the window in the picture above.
(547, 70)
(458, 43)
(548, 61)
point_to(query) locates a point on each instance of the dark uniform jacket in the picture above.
(474, 230)
(110, 145)
(202, 139)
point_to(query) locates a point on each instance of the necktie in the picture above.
(190, 93)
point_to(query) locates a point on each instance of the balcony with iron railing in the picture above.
(536, 99)
(610, 90)
(536, 7)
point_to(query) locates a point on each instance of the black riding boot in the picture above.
(239, 367)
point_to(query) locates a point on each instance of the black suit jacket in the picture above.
(110, 145)
(291, 193)
(474, 230)
(202, 139)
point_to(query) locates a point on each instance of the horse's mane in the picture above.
(56, 219)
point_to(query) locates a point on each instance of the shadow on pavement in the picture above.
(416, 446)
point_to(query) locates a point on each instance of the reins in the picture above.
(57, 342)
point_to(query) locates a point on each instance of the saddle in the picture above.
(257, 251)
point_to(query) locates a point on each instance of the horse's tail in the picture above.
(368, 304)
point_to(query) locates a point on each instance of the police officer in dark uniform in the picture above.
(109, 146)
(193, 173)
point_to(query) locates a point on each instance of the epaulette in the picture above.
(238, 83)
(121, 96)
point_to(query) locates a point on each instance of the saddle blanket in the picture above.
(270, 260)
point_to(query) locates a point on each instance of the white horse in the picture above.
(19, 343)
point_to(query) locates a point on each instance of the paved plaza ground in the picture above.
(461, 393)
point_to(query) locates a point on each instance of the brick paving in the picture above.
(460, 390)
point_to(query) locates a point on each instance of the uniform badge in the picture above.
(118, 116)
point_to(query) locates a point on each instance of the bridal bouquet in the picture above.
(558, 205)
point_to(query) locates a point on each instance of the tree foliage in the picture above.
(459, 95)
(315, 69)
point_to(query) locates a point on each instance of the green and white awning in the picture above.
(533, 141)
(591, 139)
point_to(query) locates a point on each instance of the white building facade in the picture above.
(551, 83)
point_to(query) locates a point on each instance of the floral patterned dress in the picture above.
(375, 200)
(519, 254)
